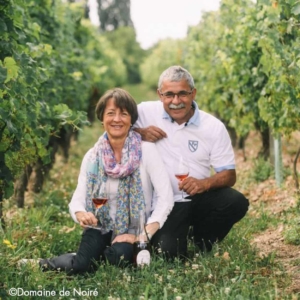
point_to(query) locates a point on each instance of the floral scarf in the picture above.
(130, 199)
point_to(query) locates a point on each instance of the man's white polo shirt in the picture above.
(203, 141)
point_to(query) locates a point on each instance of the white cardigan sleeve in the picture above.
(160, 181)
(78, 199)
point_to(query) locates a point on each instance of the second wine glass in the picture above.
(181, 173)
(99, 198)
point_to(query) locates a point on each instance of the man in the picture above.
(180, 129)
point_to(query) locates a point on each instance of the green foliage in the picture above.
(166, 53)
(50, 62)
(21, 77)
(103, 62)
(124, 41)
(262, 170)
(141, 92)
(280, 43)
(223, 55)
(245, 60)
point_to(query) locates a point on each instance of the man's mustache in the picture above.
(173, 106)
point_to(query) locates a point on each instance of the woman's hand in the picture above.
(86, 218)
(130, 238)
(124, 238)
(151, 229)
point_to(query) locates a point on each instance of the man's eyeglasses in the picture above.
(180, 95)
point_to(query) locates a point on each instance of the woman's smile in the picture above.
(116, 122)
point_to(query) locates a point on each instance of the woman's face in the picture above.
(115, 121)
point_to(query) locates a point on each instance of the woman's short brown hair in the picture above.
(123, 100)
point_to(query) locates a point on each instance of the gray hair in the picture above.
(176, 73)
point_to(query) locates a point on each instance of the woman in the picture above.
(134, 171)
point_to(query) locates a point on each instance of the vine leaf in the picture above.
(12, 68)
(296, 9)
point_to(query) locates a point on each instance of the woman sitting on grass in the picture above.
(132, 169)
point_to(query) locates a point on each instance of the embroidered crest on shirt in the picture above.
(193, 145)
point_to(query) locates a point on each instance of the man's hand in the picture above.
(151, 133)
(86, 218)
(194, 186)
(124, 238)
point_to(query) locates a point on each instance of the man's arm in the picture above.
(151, 133)
(194, 186)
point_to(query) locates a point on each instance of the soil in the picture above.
(275, 201)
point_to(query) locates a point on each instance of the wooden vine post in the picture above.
(295, 172)
(278, 159)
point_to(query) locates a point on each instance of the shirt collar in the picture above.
(195, 119)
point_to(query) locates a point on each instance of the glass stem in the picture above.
(181, 193)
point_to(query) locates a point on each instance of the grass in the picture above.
(44, 228)
(233, 270)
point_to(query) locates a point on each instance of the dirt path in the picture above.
(275, 201)
(271, 241)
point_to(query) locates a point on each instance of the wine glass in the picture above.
(99, 198)
(182, 172)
